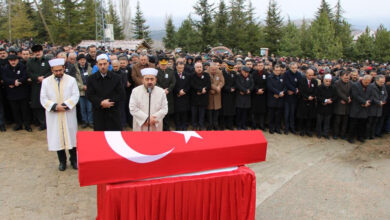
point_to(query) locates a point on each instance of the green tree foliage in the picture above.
(21, 25)
(322, 38)
(343, 31)
(170, 34)
(187, 37)
(113, 18)
(141, 30)
(364, 47)
(88, 20)
(305, 38)
(205, 25)
(273, 27)
(253, 33)
(290, 44)
(221, 25)
(324, 8)
(236, 25)
(382, 44)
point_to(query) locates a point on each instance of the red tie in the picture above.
(308, 83)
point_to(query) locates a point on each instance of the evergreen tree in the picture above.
(88, 20)
(170, 38)
(237, 22)
(204, 10)
(305, 39)
(382, 45)
(290, 44)
(324, 7)
(221, 24)
(69, 22)
(252, 32)
(273, 27)
(322, 39)
(49, 13)
(141, 30)
(21, 26)
(364, 47)
(187, 37)
(343, 31)
(113, 18)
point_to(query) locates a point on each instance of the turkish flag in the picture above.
(111, 157)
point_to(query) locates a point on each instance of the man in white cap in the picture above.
(326, 95)
(147, 118)
(105, 92)
(59, 96)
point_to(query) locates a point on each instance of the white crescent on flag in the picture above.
(118, 144)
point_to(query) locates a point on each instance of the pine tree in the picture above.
(49, 13)
(273, 27)
(187, 37)
(252, 32)
(343, 31)
(204, 10)
(69, 24)
(322, 39)
(170, 38)
(364, 47)
(88, 20)
(21, 26)
(290, 44)
(324, 7)
(237, 22)
(221, 24)
(305, 39)
(113, 18)
(382, 44)
(141, 30)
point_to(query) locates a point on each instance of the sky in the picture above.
(359, 13)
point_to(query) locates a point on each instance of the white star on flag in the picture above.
(188, 135)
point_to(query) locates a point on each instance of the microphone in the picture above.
(150, 94)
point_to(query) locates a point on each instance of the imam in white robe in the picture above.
(61, 126)
(139, 107)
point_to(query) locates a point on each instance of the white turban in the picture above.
(149, 71)
(328, 76)
(57, 62)
(102, 57)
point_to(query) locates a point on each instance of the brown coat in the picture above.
(217, 80)
(136, 73)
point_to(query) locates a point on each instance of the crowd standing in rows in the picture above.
(206, 92)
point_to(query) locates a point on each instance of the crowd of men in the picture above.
(209, 92)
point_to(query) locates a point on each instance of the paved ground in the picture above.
(303, 178)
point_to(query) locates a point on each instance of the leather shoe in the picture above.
(17, 128)
(84, 125)
(74, 165)
(28, 128)
(62, 167)
(42, 127)
(286, 132)
(2, 128)
(335, 137)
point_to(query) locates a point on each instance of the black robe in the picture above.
(259, 101)
(99, 89)
(306, 107)
(229, 97)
